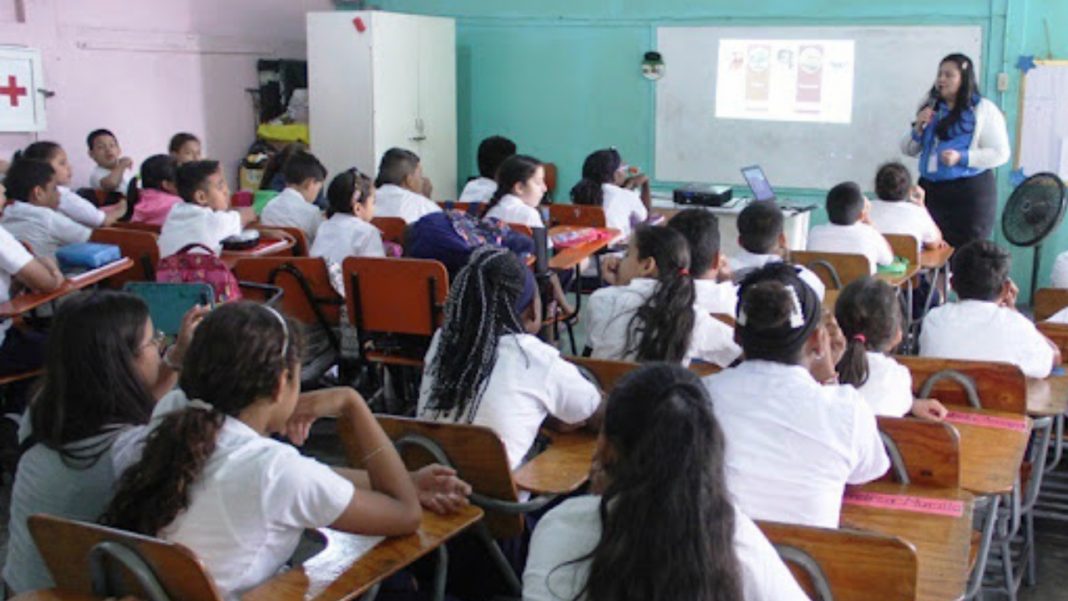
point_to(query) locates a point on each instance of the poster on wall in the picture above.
(21, 104)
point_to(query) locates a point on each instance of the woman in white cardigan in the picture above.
(960, 137)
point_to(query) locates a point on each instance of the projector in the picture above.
(707, 195)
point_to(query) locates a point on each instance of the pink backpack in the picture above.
(189, 267)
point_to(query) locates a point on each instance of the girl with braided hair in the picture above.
(484, 368)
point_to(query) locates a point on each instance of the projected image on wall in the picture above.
(785, 80)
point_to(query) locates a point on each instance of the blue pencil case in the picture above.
(87, 255)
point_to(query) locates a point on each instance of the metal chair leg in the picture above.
(975, 581)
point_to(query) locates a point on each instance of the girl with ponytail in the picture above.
(868, 312)
(660, 524)
(484, 368)
(520, 189)
(650, 314)
(605, 183)
(211, 478)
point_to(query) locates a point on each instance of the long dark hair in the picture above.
(516, 169)
(91, 384)
(150, 494)
(42, 150)
(480, 309)
(666, 515)
(662, 327)
(343, 187)
(869, 315)
(599, 168)
(967, 96)
(277, 162)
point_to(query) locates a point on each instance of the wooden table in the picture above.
(935, 258)
(942, 542)
(567, 258)
(1047, 397)
(27, 302)
(272, 244)
(990, 456)
(333, 575)
(561, 468)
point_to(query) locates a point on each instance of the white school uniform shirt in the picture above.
(289, 209)
(395, 201)
(716, 297)
(859, 238)
(347, 236)
(888, 389)
(478, 190)
(529, 382)
(189, 223)
(792, 444)
(13, 257)
(612, 307)
(904, 217)
(1059, 275)
(1059, 317)
(572, 529)
(510, 209)
(44, 229)
(621, 208)
(79, 209)
(745, 262)
(251, 504)
(98, 173)
(984, 331)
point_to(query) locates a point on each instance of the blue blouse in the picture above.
(960, 138)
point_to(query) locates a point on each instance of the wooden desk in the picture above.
(935, 258)
(990, 456)
(942, 542)
(570, 257)
(27, 302)
(333, 575)
(830, 297)
(1047, 397)
(561, 468)
(273, 243)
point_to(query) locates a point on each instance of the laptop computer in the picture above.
(758, 183)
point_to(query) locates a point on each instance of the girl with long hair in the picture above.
(484, 368)
(868, 312)
(348, 232)
(520, 189)
(660, 524)
(650, 314)
(606, 182)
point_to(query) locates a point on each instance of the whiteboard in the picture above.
(895, 67)
(1042, 144)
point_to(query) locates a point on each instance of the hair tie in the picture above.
(861, 338)
(684, 271)
(200, 405)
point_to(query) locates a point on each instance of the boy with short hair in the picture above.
(402, 189)
(714, 292)
(850, 230)
(205, 217)
(113, 171)
(763, 241)
(984, 325)
(899, 208)
(491, 153)
(294, 206)
(35, 219)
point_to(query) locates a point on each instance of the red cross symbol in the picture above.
(12, 90)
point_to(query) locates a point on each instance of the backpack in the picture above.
(186, 267)
(451, 236)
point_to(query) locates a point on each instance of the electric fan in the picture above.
(1033, 211)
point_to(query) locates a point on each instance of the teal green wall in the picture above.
(561, 77)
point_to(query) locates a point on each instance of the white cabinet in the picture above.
(378, 80)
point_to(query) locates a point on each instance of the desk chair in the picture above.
(921, 452)
(392, 228)
(551, 178)
(136, 225)
(140, 246)
(835, 270)
(607, 373)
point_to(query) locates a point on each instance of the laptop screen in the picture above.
(758, 183)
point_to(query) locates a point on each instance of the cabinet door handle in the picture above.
(417, 138)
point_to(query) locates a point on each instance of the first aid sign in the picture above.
(21, 103)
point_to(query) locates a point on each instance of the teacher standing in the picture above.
(960, 138)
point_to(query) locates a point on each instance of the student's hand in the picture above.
(52, 267)
(124, 164)
(428, 188)
(1008, 295)
(917, 195)
(190, 321)
(723, 270)
(610, 270)
(636, 181)
(929, 409)
(440, 490)
(311, 406)
(950, 157)
(836, 340)
(923, 118)
(1057, 359)
(248, 215)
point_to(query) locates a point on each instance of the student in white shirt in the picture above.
(660, 524)
(348, 232)
(649, 314)
(762, 241)
(294, 206)
(984, 325)
(35, 218)
(792, 443)
(899, 208)
(715, 291)
(606, 182)
(184, 148)
(70, 203)
(491, 154)
(113, 171)
(868, 312)
(211, 478)
(402, 190)
(484, 368)
(205, 217)
(1059, 275)
(850, 230)
(521, 190)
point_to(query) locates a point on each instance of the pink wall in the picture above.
(148, 68)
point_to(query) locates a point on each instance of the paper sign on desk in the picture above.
(931, 506)
(987, 421)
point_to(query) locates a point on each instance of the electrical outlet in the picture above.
(1003, 82)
